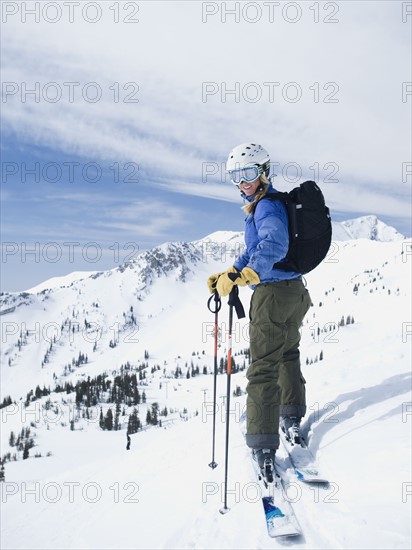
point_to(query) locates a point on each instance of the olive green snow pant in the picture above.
(275, 382)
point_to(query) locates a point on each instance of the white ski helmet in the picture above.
(247, 154)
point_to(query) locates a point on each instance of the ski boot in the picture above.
(266, 461)
(290, 426)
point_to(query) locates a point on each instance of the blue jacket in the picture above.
(267, 241)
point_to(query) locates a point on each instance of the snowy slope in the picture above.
(64, 281)
(365, 227)
(92, 493)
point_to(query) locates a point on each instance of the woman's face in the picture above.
(249, 188)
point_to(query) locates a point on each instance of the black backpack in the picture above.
(310, 227)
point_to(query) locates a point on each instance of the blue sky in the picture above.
(114, 134)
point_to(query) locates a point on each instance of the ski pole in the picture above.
(216, 310)
(233, 300)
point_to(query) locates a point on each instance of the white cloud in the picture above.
(154, 218)
(361, 61)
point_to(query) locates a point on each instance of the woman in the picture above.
(278, 305)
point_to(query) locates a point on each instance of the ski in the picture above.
(302, 460)
(280, 518)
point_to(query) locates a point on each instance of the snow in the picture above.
(56, 282)
(92, 493)
(365, 227)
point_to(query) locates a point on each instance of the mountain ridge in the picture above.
(365, 227)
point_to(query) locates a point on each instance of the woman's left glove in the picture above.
(226, 281)
(212, 280)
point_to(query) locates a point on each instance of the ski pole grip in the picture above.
(218, 302)
(233, 276)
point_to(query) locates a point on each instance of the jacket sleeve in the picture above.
(271, 225)
(242, 261)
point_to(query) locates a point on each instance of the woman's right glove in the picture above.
(212, 280)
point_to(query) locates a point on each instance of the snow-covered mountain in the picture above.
(365, 227)
(101, 306)
(149, 318)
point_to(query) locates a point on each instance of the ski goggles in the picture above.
(248, 174)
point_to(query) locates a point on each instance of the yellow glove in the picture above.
(248, 277)
(226, 282)
(212, 280)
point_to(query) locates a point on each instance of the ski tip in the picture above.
(213, 464)
(287, 534)
(224, 510)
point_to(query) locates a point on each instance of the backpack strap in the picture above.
(271, 196)
(291, 205)
(290, 210)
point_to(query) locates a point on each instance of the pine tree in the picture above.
(155, 413)
(101, 419)
(136, 395)
(26, 450)
(116, 418)
(2, 472)
(134, 422)
(108, 421)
